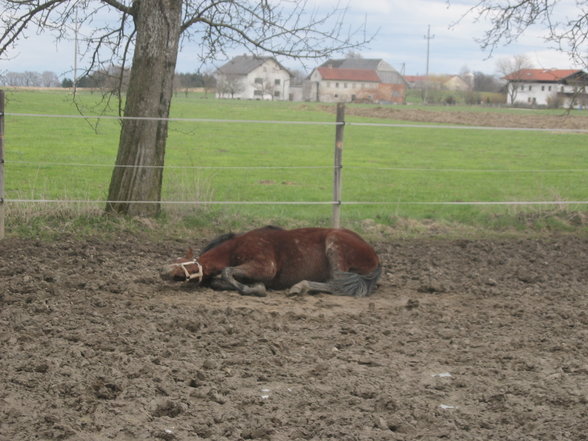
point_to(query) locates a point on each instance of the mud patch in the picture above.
(463, 340)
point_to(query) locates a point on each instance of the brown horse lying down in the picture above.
(329, 260)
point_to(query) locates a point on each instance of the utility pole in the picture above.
(75, 66)
(428, 37)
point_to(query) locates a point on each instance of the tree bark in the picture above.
(139, 163)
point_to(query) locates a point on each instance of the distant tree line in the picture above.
(106, 79)
(487, 83)
(109, 79)
(29, 79)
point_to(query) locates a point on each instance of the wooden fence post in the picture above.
(1, 164)
(338, 165)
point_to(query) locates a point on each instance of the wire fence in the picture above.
(339, 125)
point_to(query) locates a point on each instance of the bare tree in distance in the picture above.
(513, 67)
(565, 23)
(146, 35)
(228, 86)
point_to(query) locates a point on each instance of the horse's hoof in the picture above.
(254, 293)
(299, 289)
(257, 290)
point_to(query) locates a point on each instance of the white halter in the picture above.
(193, 276)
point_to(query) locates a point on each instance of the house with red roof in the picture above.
(355, 80)
(548, 87)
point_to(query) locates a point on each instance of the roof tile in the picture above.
(540, 74)
(328, 73)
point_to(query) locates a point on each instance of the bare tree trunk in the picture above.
(139, 171)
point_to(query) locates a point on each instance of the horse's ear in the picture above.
(189, 254)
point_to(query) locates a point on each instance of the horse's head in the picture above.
(185, 269)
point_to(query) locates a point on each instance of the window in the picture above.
(277, 81)
(337, 85)
(345, 85)
(530, 88)
(522, 87)
(542, 88)
(549, 88)
(277, 93)
(257, 93)
(259, 81)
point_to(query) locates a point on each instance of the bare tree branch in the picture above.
(510, 19)
(16, 25)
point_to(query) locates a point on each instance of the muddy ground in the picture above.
(562, 120)
(463, 340)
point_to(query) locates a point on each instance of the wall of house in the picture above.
(230, 86)
(267, 82)
(533, 94)
(544, 94)
(455, 83)
(339, 91)
(348, 91)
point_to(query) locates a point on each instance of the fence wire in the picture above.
(321, 123)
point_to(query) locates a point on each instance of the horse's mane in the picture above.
(271, 227)
(228, 236)
(217, 241)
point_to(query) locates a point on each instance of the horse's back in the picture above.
(354, 252)
(297, 254)
(309, 253)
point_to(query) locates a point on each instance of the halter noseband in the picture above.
(193, 276)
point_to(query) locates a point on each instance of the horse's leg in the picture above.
(220, 284)
(230, 273)
(307, 286)
(341, 280)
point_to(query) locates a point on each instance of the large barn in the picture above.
(356, 80)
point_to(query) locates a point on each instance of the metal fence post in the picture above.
(338, 165)
(1, 164)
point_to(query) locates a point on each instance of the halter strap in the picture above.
(192, 276)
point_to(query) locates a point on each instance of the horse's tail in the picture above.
(357, 285)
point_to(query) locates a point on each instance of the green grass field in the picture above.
(222, 161)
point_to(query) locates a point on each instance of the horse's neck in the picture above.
(216, 259)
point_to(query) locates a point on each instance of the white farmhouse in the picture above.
(253, 78)
(547, 87)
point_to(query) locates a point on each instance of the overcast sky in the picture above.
(400, 41)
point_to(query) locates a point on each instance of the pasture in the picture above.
(398, 167)
(465, 338)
